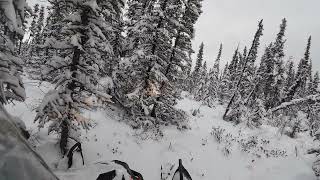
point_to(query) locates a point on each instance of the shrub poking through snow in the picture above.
(253, 145)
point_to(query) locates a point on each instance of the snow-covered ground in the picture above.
(240, 153)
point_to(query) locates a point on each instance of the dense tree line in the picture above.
(271, 91)
(97, 52)
(265, 91)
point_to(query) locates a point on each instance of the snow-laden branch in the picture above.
(311, 98)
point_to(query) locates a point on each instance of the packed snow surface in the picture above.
(235, 153)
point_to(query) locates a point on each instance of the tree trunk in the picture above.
(64, 136)
(73, 84)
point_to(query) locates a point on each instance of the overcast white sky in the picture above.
(235, 21)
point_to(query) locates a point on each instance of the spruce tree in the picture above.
(274, 98)
(216, 66)
(202, 84)
(247, 82)
(309, 79)
(264, 74)
(298, 88)
(225, 85)
(39, 26)
(199, 60)
(82, 44)
(157, 50)
(242, 60)
(33, 24)
(28, 43)
(204, 69)
(12, 15)
(37, 37)
(290, 76)
(214, 78)
(315, 84)
(179, 62)
(196, 73)
(278, 85)
(54, 22)
(247, 72)
(187, 14)
(197, 69)
(233, 68)
(270, 76)
(117, 40)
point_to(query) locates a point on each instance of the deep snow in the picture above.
(110, 138)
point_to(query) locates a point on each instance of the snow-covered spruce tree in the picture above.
(52, 32)
(287, 114)
(242, 60)
(12, 29)
(255, 101)
(278, 92)
(184, 84)
(313, 115)
(83, 42)
(304, 71)
(298, 88)
(203, 83)
(273, 98)
(36, 28)
(289, 76)
(246, 75)
(162, 107)
(305, 103)
(314, 123)
(238, 70)
(46, 43)
(195, 75)
(12, 14)
(315, 84)
(312, 110)
(32, 31)
(180, 61)
(37, 36)
(233, 69)
(32, 28)
(270, 75)
(262, 76)
(216, 66)
(117, 41)
(309, 79)
(247, 81)
(199, 60)
(131, 70)
(54, 22)
(159, 43)
(225, 86)
(33, 51)
(214, 81)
